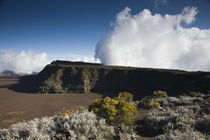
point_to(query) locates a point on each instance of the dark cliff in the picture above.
(67, 77)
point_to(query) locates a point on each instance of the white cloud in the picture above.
(74, 57)
(153, 40)
(23, 62)
(32, 61)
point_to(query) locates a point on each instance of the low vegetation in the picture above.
(117, 110)
(106, 119)
(168, 118)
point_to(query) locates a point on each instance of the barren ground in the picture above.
(17, 106)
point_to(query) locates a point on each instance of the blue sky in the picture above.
(76, 26)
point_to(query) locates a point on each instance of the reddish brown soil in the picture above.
(17, 106)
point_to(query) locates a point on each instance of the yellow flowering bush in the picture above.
(115, 110)
(126, 96)
(67, 113)
(160, 93)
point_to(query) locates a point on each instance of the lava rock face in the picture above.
(67, 77)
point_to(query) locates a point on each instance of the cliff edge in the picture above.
(67, 77)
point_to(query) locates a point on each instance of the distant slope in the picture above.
(67, 77)
(12, 73)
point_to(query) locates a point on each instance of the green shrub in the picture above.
(153, 105)
(117, 110)
(150, 103)
(160, 93)
(147, 100)
(193, 93)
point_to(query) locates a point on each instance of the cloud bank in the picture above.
(154, 40)
(23, 62)
(74, 57)
(31, 61)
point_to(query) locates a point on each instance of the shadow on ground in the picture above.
(26, 84)
(144, 132)
(30, 84)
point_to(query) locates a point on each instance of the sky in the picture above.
(171, 34)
